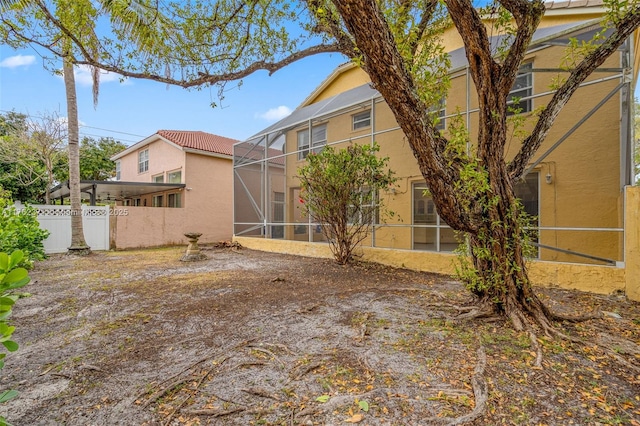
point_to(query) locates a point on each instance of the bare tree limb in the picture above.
(623, 29)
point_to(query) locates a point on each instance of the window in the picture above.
(522, 88)
(303, 144)
(277, 231)
(527, 191)
(318, 137)
(278, 207)
(137, 202)
(157, 201)
(117, 170)
(174, 177)
(143, 161)
(368, 212)
(440, 111)
(318, 140)
(174, 200)
(158, 178)
(361, 120)
(429, 231)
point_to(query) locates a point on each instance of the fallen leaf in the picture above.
(356, 418)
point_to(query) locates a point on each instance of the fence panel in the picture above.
(57, 220)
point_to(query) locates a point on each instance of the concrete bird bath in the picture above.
(193, 251)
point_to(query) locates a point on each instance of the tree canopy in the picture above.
(31, 149)
(95, 159)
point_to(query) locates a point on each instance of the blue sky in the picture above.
(134, 109)
(139, 108)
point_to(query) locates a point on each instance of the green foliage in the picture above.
(12, 277)
(477, 198)
(95, 159)
(21, 179)
(30, 150)
(340, 190)
(21, 230)
(481, 280)
(422, 47)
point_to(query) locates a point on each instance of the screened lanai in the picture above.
(574, 188)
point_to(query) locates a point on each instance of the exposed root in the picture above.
(622, 361)
(263, 393)
(306, 370)
(192, 392)
(214, 413)
(166, 389)
(268, 352)
(576, 318)
(536, 347)
(163, 390)
(247, 364)
(275, 345)
(480, 391)
(475, 313)
(335, 402)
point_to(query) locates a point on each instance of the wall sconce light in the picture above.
(548, 178)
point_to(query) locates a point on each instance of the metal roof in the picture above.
(113, 189)
(559, 34)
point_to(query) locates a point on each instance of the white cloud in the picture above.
(275, 114)
(18, 61)
(83, 76)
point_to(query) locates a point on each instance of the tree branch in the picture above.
(624, 28)
(527, 15)
(422, 26)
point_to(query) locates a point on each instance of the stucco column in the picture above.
(632, 242)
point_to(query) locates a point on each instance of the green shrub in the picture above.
(20, 230)
(12, 277)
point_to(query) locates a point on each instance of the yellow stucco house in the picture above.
(579, 185)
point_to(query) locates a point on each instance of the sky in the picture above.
(132, 110)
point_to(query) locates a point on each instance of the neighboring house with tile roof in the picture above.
(202, 163)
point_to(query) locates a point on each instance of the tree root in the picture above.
(335, 402)
(268, 352)
(536, 347)
(480, 391)
(184, 400)
(473, 312)
(263, 393)
(306, 370)
(214, 413)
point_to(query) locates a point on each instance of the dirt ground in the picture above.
(253, 338)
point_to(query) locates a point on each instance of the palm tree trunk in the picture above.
(78, 244)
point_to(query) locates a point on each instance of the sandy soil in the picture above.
(252, 338)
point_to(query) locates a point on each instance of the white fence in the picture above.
(57, 220)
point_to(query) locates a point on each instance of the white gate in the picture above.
(57, 220)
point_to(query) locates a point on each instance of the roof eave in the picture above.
(207, 153)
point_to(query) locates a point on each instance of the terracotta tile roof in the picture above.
(202, 141)
(567, 4)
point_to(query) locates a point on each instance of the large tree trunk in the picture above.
(499, 277)
(78, 244)
(494, 228)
